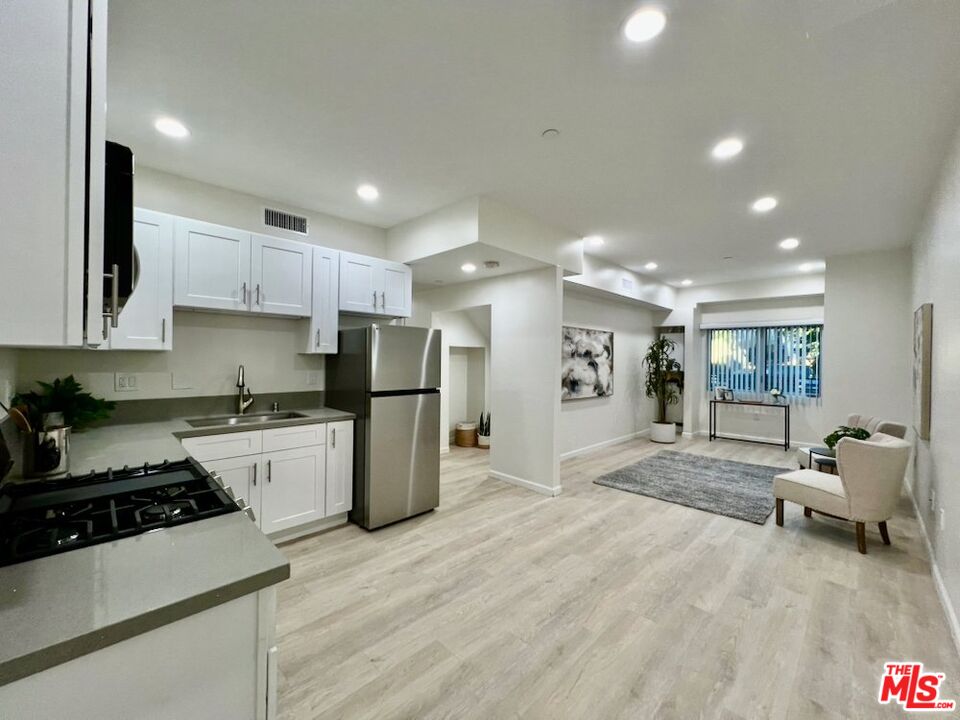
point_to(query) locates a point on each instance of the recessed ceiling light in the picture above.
(727, 148)
(171, 127)
(595, 240)
(790, 244)
(650, 266)
(468, 267)
(368, 192)
(688, 281)
(645, 24)
(808, 267)
(764, 204)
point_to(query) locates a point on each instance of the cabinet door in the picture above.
(360, 283)
(325, 314)
(212, 266)
(146, 319)
(339, 467)
(244, 475)
(396, 296)
(280, 275)
(43, 187)
(293, 493)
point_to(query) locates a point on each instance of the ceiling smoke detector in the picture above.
(491, 264)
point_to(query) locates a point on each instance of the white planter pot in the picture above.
(663, 432)
(483, 441)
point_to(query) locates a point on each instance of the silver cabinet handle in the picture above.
(374, 299)
(334, 437)
(318, 337)
(383, 300)
(163, 330)
(243, 293)
(114, 312)
(269, 472)
(254, 474)
(258, 293)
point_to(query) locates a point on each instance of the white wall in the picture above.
(525, 320)
(157, 190)
(618, 281)
(868, 336)
(936, 269)
(465, 387)
(512, 229)
(449, 227)
(207, 348)
(595, 422)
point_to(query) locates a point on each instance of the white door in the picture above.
(397, 294)
(43, 188)
(212, 266)
(146, 319)
(326, 301)
(294, 489)
(360, 280)
(280, 275)
(339, 467)
(244, 475)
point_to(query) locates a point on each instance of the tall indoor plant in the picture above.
(664, 384)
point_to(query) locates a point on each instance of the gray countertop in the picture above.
(63, 606)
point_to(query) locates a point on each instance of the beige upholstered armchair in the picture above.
(866, 490)
(870, 424)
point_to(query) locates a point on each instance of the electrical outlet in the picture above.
(125, 382)
(180, 381)
(313, 378)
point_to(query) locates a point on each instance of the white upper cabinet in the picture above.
(46, 131)
(146, 320)
(212, 268)
(396, 298)
(324, 318)
(281, 271)
(371, 286)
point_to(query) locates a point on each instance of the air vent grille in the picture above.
(284, 221)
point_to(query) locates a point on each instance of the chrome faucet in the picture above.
(242, 404)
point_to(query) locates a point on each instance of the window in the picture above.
(759, 359)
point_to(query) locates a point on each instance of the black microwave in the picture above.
(119, 257)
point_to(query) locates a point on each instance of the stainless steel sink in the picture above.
(251, 419)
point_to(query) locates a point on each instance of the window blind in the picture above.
(760, 359)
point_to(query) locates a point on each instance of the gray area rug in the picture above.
(735, 489)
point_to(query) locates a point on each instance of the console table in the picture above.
(755, 403)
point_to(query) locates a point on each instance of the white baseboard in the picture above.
(445, 450)
(948, 609)
(527, 484)
(319, 526)
(596, 446)
(759, 438)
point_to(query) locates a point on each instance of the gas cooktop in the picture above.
(43, 518)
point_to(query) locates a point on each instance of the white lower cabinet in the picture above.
(294, 489)
(292, 477)
(339, 467)
(244, 475)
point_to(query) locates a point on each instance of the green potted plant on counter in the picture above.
(49, 416)
(662, 384)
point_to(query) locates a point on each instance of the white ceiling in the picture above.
(845, 107)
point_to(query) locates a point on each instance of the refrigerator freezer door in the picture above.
(403, 474)
(404, 358)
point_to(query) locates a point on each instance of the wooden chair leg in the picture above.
(862, 538)
(780, 512)
(883, 533)
(807, 512)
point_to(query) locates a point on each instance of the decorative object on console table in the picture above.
(664, 384)
(586, 363)
(775, 394)
(922, 352)
(51, 414)
(483, 431)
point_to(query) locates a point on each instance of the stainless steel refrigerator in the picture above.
(389, 376)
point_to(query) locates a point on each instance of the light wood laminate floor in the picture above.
(602, 604)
